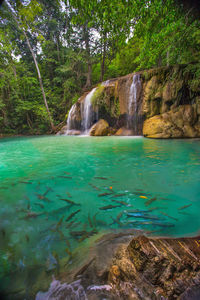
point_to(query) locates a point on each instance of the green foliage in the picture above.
(74, 40)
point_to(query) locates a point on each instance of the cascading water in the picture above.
(86, 112)
(134, 94)
(70, 120)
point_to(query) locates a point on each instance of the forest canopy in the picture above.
(51, 51)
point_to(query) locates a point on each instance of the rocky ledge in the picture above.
(125, 267)
(158, 103)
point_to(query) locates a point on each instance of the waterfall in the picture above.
(134, 93)
(70, 122)
(86, 111)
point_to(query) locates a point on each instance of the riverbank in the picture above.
(121, 266)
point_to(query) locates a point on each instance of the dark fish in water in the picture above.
(137, 193)
(102, 178)
(3, 188)
(3, 232)
(148, 202)
(104, 194)
(137, 211)
(95, 220)
(39, 204)
(121, 202)
(119, 215)
(72, 215)
(101, 223)
(31, 215)
(48, 190)
(164, 214)
(184, 213)
(119, 195)
(87, 235)
(109, 207)
(41, 197)
(70, 224)
(67, 173)
(139, 190)
(94, 186)
(142, 216)
(68, 177)
(68, 251)
(69, 195)
(116, 221)
(77, 233)
(76, 224)
(185, 206)
(89, 220)
(28, 205)
(70, 202)
(60, 222)
(27, 238)
(26, 182)
(163, 224)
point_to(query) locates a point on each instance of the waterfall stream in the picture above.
(70, 122)
(86, 112)
(134, 93)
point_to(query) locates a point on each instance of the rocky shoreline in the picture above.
(121, 266)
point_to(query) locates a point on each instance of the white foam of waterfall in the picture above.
(134, 92)
(86, 111)
(70, 119)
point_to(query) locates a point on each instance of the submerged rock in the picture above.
(124, 132)
(101, 128)
(121, 266)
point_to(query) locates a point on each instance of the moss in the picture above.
(98, 96)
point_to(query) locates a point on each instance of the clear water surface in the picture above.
(57, 191)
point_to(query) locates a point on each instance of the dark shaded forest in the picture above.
(52, 51)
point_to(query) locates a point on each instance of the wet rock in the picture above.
(101, 128)
(123, 131)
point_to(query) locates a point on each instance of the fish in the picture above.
(26, 182)
(62, 176)
(143, 197)
(94, 186)
(185, 206)
(109, 207)
(102, 178)
(41, 197)
(142, 216)
(137, 193)
(69, 195)
(27, 238)
(77, 233)
(70, 202)
(39, 204)
(67, 173)
(68, 252)
(164, 214)
(95, 220)
(70, 224)
(89, 220)
(48, 190)
(148, 202)
(104, 194)
(119, 195)
(31, 215)
(116, 221)
(72, 215)
(139, 190)
(121, 202)
(60, 222)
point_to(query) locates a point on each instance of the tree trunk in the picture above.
(103, 57)
(36, 65)
(87, 46)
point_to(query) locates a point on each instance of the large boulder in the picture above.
(176, 123)
(101, 128)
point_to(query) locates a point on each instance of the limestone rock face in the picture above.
(167, 100)
(176, 123)
(101, 128)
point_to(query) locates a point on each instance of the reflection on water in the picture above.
(58, 192)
